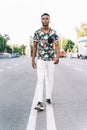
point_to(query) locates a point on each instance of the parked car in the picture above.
(14, 55)
(74, 55)
(4, 55)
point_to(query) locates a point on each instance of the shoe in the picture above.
(48, 101)
(39, 106)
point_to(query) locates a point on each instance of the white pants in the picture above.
(45, 72)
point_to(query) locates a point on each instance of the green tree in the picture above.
(69, 46)
(19, 49)
(63, 43)
(66, 44)
(15, 49)
(22, 49)
(1, 43)
(9, 49)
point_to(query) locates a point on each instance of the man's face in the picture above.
(45, 20)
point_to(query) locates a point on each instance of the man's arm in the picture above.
(34, 55)
(57, 48)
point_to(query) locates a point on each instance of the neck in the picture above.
(46, 29)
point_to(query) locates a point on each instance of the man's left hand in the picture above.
(56, 61)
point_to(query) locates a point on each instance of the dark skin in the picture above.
(45, 28)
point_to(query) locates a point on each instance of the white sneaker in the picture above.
(39, 106)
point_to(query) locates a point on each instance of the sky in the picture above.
(21, 18)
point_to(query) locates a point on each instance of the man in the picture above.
(46, 48)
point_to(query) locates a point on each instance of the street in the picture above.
(18, 96)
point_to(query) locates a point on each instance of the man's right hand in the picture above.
(34, 65)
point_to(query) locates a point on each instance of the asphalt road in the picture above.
(17, 91)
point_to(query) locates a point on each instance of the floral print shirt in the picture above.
(45, 50)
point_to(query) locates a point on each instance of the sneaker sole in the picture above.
(39, 108)
(48, 103)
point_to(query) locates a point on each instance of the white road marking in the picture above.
(76, 68)
(33, 115)
(50, 118)
(1, 70)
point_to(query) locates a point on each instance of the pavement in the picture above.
(18, 96)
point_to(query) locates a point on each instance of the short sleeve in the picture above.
(35, 37)
(56, 37)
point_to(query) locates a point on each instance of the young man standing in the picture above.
(46, 48)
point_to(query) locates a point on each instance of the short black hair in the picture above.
(45, 14)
